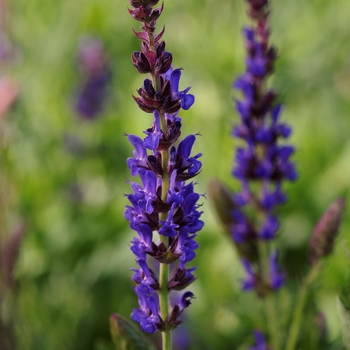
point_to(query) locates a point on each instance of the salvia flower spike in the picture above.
(164, 209)
(96, 75)
(262, 163)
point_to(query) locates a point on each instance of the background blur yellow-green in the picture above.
(73, 267)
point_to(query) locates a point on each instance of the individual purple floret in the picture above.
(260, 343)
(263, 163)
(96, 76)
(276, 276)
(163, 207)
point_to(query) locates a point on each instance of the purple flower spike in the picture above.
(163, 209)
(96, 76)
(263, 161)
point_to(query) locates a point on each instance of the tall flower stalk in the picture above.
(262, 164)
(164, 210)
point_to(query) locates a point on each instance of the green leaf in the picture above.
(126, 336)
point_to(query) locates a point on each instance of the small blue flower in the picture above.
(250, 281)
(173, 75)
(148, 314)
(260, 343)
(168, 228)
(277, 278)
(140, 155)
(154, 135)
(269, 228)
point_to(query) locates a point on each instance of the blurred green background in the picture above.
(73, 266)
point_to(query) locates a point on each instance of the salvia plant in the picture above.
(262, 164)
(164, 210)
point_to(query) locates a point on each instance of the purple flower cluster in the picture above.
(163, 202)
(96, 76)
(262, 164)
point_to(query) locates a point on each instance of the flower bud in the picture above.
(325, 232)
(143, 3)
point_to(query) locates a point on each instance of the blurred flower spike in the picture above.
(95, 78)
(164, 201)
(262, 163)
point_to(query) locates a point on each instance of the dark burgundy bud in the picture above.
(140, 14)
(152, 220)
(142, 106)
(162, 254)
(173, 132)
(258, 8)
(148, 87)
(163, 63)
(143, 3)
(156, 13)
(168, 104)
(161, 48)
(154, 163)
(325, 231)
(173, 320)
(266, 103)
(150, 100)
(175, 313)
(158, 96)
(159, 205)
(180, 279)
(140, 62)
(150, 56)
(163, 101)
(257, 4)
(165, 87)
(271, 56)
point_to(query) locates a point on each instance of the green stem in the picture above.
(163, 302)
(164, 268)
(269, 299)
(299, 306)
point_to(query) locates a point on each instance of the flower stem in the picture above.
(163, 301)
(299, 306)
(269, 299)
(164, 268)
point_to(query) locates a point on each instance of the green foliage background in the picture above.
(73, 267)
